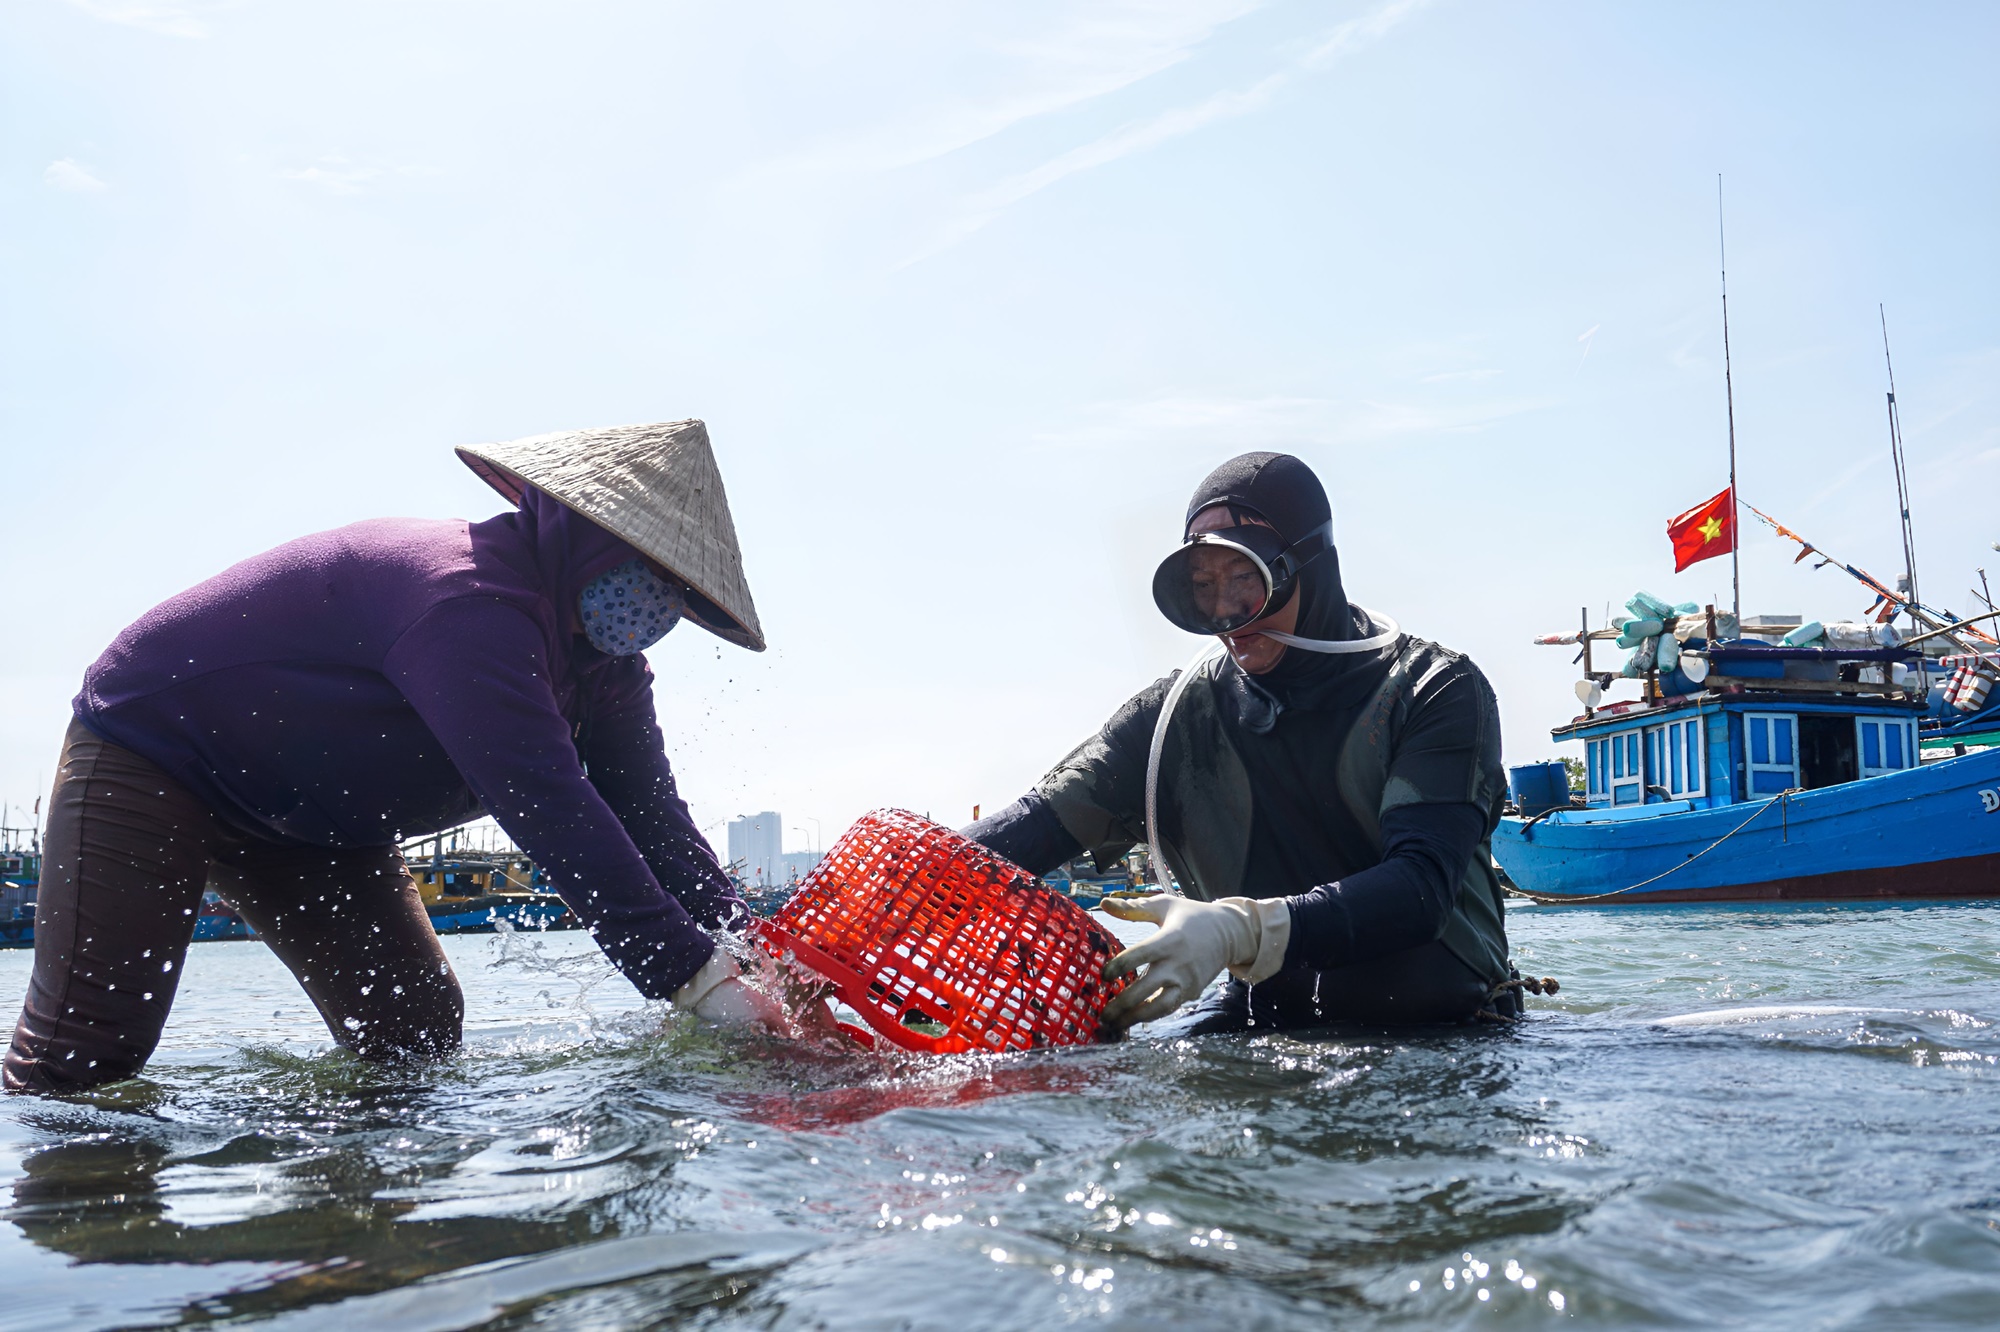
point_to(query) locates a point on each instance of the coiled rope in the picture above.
(1516, 984)
(1556, 899)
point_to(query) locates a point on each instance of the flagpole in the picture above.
(1902, 468)
(1729, 395)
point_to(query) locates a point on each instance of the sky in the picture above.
(970, 298)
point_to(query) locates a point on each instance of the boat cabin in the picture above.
(1714, 750)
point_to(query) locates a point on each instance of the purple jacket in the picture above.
(400, 676)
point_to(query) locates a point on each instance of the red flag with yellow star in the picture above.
(1706, 530)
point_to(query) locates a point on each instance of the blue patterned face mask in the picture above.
(629, 609)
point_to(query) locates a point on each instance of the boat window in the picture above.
(1627, 788)
(1673, 759)
(1597, 762)
(1771, 747)
(1887, 744)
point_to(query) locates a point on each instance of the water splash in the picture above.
(573, 976)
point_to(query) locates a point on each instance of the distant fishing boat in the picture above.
(495, 911)
(217, 921)
(480, 891)
(1086, 885)
(1839, 761)
(20, 877)
(1773, 781)
(1750, 770)
(483, 913)
(463, 891)
(764, 900)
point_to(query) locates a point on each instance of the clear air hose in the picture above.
(1331, 647)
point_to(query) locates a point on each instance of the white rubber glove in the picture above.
(1195, 942)
(717, 994)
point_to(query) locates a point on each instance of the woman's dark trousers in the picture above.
(126, 857)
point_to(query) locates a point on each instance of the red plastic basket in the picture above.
(914, 924)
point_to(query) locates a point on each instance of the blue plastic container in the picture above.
(1538, 787)
(1747, 662)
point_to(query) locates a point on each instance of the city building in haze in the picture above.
(757, 848)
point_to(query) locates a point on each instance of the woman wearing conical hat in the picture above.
(278, 730)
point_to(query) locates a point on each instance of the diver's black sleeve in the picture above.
(1401, 903)
(1028, 833)
(1098, 792)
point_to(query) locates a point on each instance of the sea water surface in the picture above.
(1729, 1117)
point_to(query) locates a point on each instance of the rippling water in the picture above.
(1729, 1117)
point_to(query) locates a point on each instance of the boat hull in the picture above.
(1932, 832)
(221, 926)
(477, 916)
(485, 915)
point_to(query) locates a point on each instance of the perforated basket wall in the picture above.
(914, 924)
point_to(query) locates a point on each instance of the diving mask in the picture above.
(1220, 581)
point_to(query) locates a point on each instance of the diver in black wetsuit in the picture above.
(1326, 788)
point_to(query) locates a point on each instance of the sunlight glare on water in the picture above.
(1729, 1117)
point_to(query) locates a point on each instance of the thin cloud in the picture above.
(1846, 478)
(1099, 52)
(1687, 357)
(1968, 386)
(172, 20)
(1587, 338)
(1138, 136)
(335, 175)
(65, 174)
(1356, 33)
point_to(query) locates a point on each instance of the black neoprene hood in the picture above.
(1282, 490)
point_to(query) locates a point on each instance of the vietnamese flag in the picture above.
(1706, 530)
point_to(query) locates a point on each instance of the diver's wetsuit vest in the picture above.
(1205, 800)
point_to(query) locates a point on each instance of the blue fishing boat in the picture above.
(495, 911)
(1086, 884)
(1758, 772)
(20, 877)
(468, 889)
(470, 893)
(218, 922)
(20, 882)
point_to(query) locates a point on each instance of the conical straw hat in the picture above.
(657, 487)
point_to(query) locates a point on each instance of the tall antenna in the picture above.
(1729, 392)
(1902, 470)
